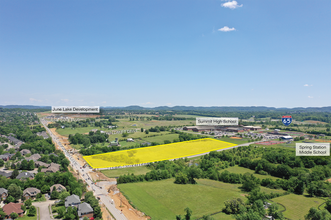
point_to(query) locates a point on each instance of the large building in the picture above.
(252, 128)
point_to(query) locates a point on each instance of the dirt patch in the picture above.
(98, 176)
(244, 195)
(319, 140)
(235, 137)
(124, 206)
(105, 213)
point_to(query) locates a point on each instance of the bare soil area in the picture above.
(123, 204)
(105, 213)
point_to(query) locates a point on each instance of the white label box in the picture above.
(312, 149)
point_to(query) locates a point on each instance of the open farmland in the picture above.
(164, 199)
(297, 206)
(156, 153)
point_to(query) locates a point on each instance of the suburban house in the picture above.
(33, 157)
(25, 175)
(30, 193)
(85, 210)
(40, 163)
(3, 193)
(6, 174)
(13, 207)
(52, 168)
(15, 141)
(58, 188)
(25, 152)
(6, 156)
(42, 134)
(72, 200)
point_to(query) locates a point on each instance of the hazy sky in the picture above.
(165, 52)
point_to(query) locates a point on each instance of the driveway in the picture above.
(43, 209)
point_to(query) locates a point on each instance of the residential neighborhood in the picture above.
(33, 172)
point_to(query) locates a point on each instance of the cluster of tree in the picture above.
(37, 128)
(42, 146)
(86, 140)
(297, 173)
(90, 122)
(23, 165)
(16, 120)
(254, 208)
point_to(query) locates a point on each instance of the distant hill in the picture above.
(26, 106)
(197, 108)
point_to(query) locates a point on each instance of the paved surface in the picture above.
(43, 209)
(83, 172)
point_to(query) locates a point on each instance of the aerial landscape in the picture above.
(165, 110)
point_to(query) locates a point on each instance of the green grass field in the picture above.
(164, 199)
(242, 170)
(297, 206)
(125, 123)
(234, 141)
(129, 170)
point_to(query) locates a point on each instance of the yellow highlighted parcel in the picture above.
(156, 153)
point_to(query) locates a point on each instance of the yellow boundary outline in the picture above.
(196, 140)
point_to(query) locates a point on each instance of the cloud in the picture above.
(307, 85)
(35, 100)
(310, 97)
(231, 5)
(104, 102)
(226, 29)
(65, 100)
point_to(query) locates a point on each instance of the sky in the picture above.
(165, 53)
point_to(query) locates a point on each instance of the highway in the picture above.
(83, 173)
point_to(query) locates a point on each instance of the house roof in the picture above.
(40, 163)
(43, 134)
(31, 191)
(54, 165)
(84, 208)
(14, 140)
(25, 151)
(58, 187)
(24, 175)
(6, 174)
(3, 190)
(12, 207)
(33, 157)
(71, 200)
(49, 169)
